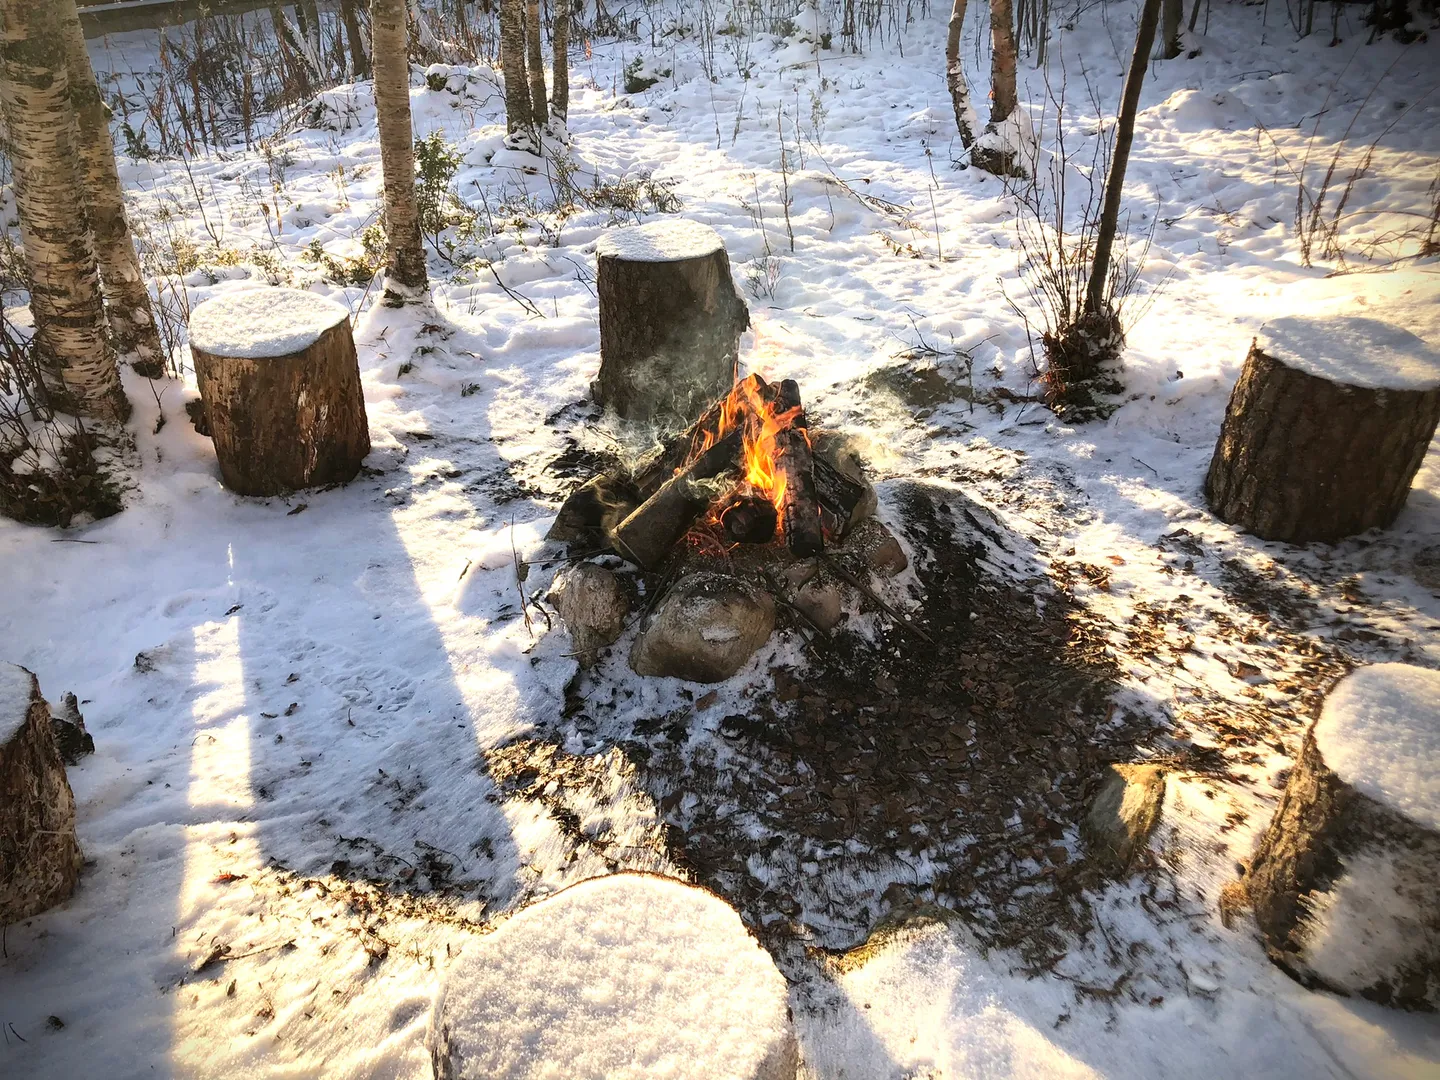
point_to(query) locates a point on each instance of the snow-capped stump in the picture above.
(1325, 429)
(670, 320)
(1345, 883)
(627, 976)
(704, 629)
(281, 385)
(39, 855)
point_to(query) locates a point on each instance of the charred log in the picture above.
(657, 524)
(749, 519)
(838, 495)
(799, 508)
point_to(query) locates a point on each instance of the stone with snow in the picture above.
(704, 629)
(626, 977)
(878, 546)
(39, 855)
(593, 605)
(1345, 882)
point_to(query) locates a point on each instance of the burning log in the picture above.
(749, 519)
(657, 524)
(663, 462)
(795, 482)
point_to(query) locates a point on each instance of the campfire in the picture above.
(748, 506)
(747, 469)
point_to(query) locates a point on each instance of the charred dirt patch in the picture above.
(946, 762)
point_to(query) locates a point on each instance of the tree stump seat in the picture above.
(281, 386)
(1345, 882)
(630, 975)
(1325, 430)
(39, 855)
(670, 321)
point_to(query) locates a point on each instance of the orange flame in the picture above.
(744, 408)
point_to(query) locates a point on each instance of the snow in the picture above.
(619, 978)
(1368, 924)
(15, 688)
(1352, 351)
(216, 815)
(659, 241)
(1380, 733)
(260, 324)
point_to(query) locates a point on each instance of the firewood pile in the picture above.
(750, 483)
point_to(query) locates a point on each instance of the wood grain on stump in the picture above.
(1345, 882)
(281, 385)
(39, 855)
(1325, 429)
(670, 321)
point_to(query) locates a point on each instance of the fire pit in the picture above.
(722, 519)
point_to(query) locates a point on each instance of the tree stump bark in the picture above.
(1345, 882)
(281, 386)
(1325, 430)
(39, 855)
(670, 321)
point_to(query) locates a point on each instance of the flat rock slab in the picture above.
(618, 978)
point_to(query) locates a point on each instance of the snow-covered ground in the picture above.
(310, 713)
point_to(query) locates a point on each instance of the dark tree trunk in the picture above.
(1302, 459)
(520, 130)
(359, 57)
(1172, 15)
(289, 421)
(39, 855)
(1097, 299)
(1321, 827)
(670, 322)
(535, 64)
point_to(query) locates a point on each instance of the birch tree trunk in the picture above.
(560, 47)
(65, 298)
(518, 116)
(535, 62)
(359, 55)
(1002, 61)
(965, 118)
(405, 258)
(127, 299)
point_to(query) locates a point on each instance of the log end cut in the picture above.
(39, 855)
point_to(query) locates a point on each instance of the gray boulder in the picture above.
(704, 629)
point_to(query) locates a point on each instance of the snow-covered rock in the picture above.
(628, 976)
